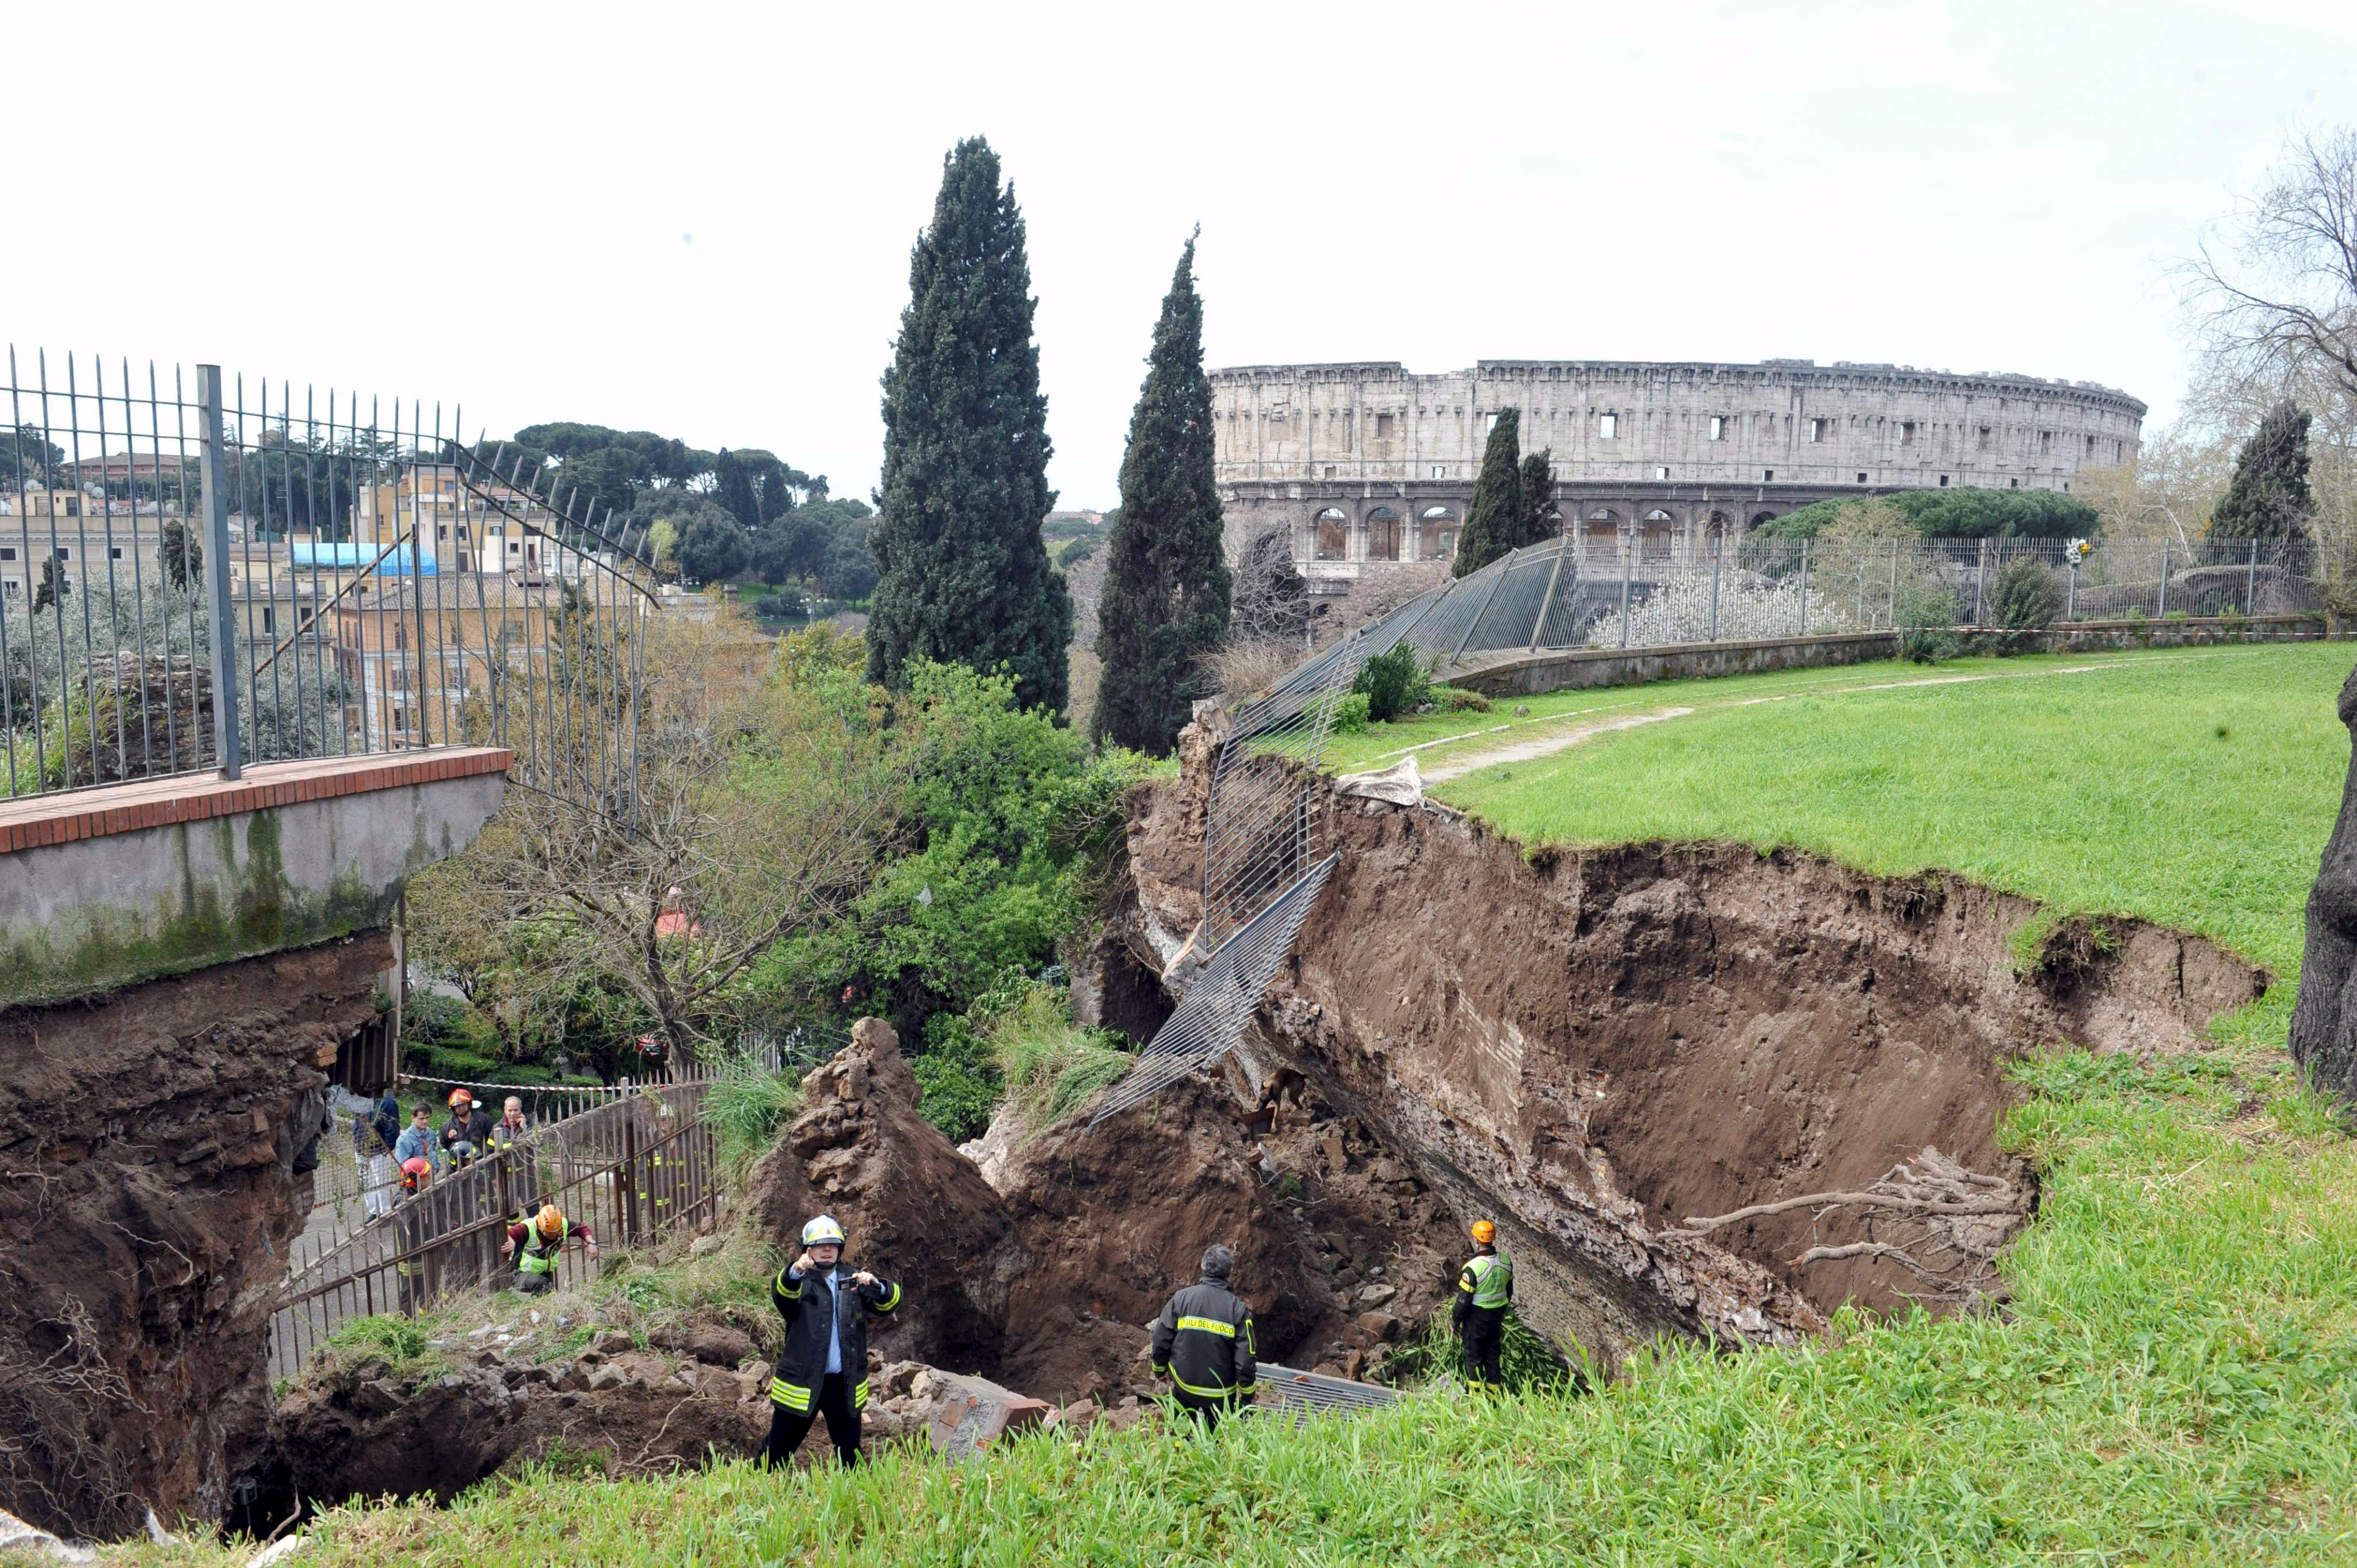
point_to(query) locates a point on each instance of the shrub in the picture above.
(1052, 1064)
(958, 1077)
(2024, 599)
(1394, 683)
(1350, 713)
(1750, 606)
(1457, 700)
(748, 1102)
(1925, 617)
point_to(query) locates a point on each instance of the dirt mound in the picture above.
(152, 1140)
(1592, 1048)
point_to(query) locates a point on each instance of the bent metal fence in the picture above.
(198, 573)
(630, 1169)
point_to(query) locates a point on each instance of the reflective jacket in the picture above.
(1203, 1343)
(1485, 1285)
(808, 1307)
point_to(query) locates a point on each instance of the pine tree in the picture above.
(1539, 517)
(1167, 590)
(1496, 516)
(2269, 497)
(965, 576)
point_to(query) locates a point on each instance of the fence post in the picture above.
(1980, 577)
(213, 488)
(1894, 584)
(2162, 612)
(2071, 592)
(1802, 630)
(1628, 563)
(1717, 553)
(2250, 580)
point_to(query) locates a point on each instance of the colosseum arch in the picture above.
(1333, 534)
(1437, 534)
(1602, 528)
(1383, 534)
(1760, 517)
(1658, 527)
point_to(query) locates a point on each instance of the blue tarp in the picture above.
(396, 565)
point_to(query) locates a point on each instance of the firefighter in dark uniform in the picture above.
(1484, 1290)
(1203, 1343)
(824, 1367)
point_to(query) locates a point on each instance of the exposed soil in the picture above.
(1593, 1047)
(149, 1150)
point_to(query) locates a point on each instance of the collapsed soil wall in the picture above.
(1593, 1046)
(149, 1141)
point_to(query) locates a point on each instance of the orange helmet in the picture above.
(1484, 1232)
(458, 1094)
(414, 1171)
(550, 1223)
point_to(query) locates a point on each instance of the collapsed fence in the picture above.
(630, 1169)
(199, 574)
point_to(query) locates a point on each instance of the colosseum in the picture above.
(1369, 468)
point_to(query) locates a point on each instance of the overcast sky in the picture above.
(696, 219)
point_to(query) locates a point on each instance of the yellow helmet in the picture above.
(1484, 1232)
(550, 1222)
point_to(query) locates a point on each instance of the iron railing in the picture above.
(198, 573)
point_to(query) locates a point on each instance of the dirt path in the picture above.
(1563, 739)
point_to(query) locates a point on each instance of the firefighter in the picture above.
(468, 1129)
(1203, 1343)
(537, 1239)
(824, 1367)
(1484, 1289)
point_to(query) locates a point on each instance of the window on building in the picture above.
(1943, 481)
(1660, 473)
(514, 546)
(11, 588)
(1984, 437)
(1861, 478)
(1440, 470)
(1907, 433)
(65, 552)
(114, 553)
(1719, 427)
(1817, 429)
(1608, 426)
(1654, 536)
(1767, 476)
(1382, 427)
(2045, 442)
(1329, 470)
(2013, 484)
(462, 530)
(1603, 528)
(1383, 534)
(1333, 534)
(8, 552)
(269, 620)
(1438, 528)
(1489, 423)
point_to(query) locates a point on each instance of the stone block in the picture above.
(968, 1412)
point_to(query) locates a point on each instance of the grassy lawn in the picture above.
(2176, 1379)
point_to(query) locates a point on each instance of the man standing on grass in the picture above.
(1485, 1288)
(1203, 1343)
(824, 1367)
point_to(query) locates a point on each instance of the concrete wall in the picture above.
(1559, 669)
(95, 913)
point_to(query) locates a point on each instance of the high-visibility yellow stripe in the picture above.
(891, 1298)
(786, 1287)
(1208, 1325)
(794, 1398)
(859, 1394)
(1201, 1393)
(1250, 1349)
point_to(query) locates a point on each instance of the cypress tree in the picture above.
(1495, 518)
(1166, 589)
(1539, 517)
(965, 576)
(733, 488)
(2269, 497)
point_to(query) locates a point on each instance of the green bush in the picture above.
(1457, 700)
(1350, 713)
(1073, 551)
(1395, 681)
(1052, 1064)
(748, 1102)
(2024, 599)
(958, 1078)
(1925, 617)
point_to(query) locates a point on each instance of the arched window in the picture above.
(1438, 528)
(1603, 529)
(1333, 534)
(1383, 534)
(1760, 517)
(1655, 534)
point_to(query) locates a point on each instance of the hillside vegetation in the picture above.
(2177, 1377)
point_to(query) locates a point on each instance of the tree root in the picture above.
(1943, 1224)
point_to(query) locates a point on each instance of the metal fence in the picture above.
(1566, 593)
(632, 1168)
(198, 573)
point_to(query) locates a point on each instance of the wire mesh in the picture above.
(1315, 1392)
(1211, 1016)
(199, 572)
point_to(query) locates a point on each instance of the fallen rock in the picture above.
(377, 1396)
(608, 1378)
(1377, 1294)
(1380, 1327)
(613, 1342)
(969, 1412)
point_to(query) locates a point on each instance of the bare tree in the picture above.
(761, 807)
(2277, 293)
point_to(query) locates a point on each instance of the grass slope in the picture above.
(2177, 1380)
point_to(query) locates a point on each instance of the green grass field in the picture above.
(2176, 1381)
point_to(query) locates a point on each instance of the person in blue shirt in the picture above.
(824, 1367)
